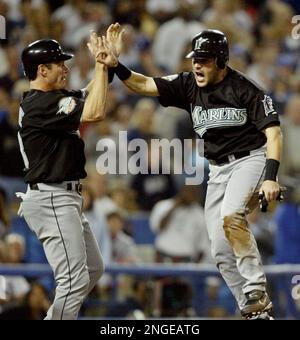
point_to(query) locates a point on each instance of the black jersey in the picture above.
(49, 138)
(229, 116)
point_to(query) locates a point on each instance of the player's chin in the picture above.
(201, 83)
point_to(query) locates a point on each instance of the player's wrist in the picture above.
(111, 74)
(122, 71)
(272, 166)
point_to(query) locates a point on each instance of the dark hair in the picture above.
(32, 72)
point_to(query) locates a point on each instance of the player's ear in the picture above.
(43, 70)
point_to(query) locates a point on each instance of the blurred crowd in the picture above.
(158, 36)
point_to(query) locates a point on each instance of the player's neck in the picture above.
(221, 75)
(37, 84)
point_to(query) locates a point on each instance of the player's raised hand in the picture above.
(93, 43)
(114, 36)
(100, 49)
(105, 54)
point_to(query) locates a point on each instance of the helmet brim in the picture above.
(200, 54)
(65, 56)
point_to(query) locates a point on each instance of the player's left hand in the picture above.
(271, 190)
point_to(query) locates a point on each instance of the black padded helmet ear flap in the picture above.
(221, 62)
(39, 52)
(211, 44)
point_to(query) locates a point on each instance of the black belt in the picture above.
(67, 186)
(229, 158)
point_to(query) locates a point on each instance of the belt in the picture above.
(70, 186)
(229, 158)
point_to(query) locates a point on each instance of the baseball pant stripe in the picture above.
(68, 262)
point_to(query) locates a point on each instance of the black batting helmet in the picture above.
(44, 51)
(210, 44)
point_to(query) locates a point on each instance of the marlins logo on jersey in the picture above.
(268, 105)
(66, 105)
(216, 118)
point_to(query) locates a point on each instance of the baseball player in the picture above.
(53, 153)
(242, 136)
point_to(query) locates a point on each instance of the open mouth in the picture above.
(200, 76)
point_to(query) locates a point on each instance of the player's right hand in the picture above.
(100, 49)
(105, 54)
(271, 190)
(114, 37)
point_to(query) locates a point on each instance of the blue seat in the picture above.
(34, 252)
(141, 232)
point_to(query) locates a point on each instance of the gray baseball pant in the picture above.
(55, 215)
(233, 192)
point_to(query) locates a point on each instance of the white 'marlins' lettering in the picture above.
(218, 117)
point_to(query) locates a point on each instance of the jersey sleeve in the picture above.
(173, 90)
(62, 111)
(260, 108)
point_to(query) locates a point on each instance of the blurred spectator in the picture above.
(230, 18)
(290, 161)
(82, 70)
(274, 21)
(70, 16)
(263, 230)
(287, 216)
(123, 117)
(172, 37)
(13, 71)
(180, 229)
(98, 225)
(124, 197)
(2, 252)
(155, 185)
(11, 170)
(128, 12)
(136, 303)
(123, 246)
(15, 286)
(33, 307)
(143, 120)
(262, 70)
(102, 204)
(15, 248)
(4, 218)
(162, 10)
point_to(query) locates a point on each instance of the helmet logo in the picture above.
(66, 105)
(199, 42)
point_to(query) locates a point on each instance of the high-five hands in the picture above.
(101, 50)
(114, 37)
